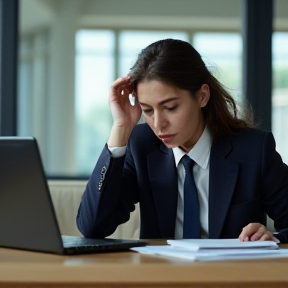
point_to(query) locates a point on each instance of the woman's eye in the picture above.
(171, 108)
(147, 111)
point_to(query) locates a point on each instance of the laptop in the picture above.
(27, 217)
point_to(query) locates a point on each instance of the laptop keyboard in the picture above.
(74, 241)
(77, 244)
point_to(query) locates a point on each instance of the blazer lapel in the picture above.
(164, 185)
(223, 177)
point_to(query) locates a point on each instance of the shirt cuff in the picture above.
(117, 151)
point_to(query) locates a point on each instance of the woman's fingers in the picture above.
(121, 87)
(265, 237)
(124, 113)
(252, 232)
(248, 231)
(261, 232)
(255, 232)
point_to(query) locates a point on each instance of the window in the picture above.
(95, 71)
(280, 92)
(222, 53)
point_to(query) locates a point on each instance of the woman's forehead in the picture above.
(157, 92)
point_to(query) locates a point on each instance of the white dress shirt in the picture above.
(200, 153)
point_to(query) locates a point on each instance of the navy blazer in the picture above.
(247, 181)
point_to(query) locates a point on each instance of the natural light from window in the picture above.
(280, 92)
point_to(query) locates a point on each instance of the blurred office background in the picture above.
(70, 51)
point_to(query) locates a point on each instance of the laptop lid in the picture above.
(27, 217)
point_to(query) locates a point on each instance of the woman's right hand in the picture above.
(125, 116)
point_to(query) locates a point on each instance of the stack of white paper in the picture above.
(215, 249)
(198, 244)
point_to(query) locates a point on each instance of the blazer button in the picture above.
(103, 170)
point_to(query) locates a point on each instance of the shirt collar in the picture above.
(200, 153)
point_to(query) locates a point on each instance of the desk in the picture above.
(131, 269)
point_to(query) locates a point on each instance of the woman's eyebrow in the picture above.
(161, 102)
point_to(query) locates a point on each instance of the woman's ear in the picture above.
(203, 95)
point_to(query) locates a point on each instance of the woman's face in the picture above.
(172, 113)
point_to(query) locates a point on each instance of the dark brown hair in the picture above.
(178, 64)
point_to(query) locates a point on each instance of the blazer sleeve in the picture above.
(282, 236)
(109, 197)
(275, 184)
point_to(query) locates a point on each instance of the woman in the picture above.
(238, 174)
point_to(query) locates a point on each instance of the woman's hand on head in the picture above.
(256, 232)
(125, 115)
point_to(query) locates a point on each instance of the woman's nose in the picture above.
(159, 121)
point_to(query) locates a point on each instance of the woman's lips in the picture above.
(166, 138)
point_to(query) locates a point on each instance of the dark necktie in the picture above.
(191, 222)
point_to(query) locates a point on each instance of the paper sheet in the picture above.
(198, 244)
(211, 254)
